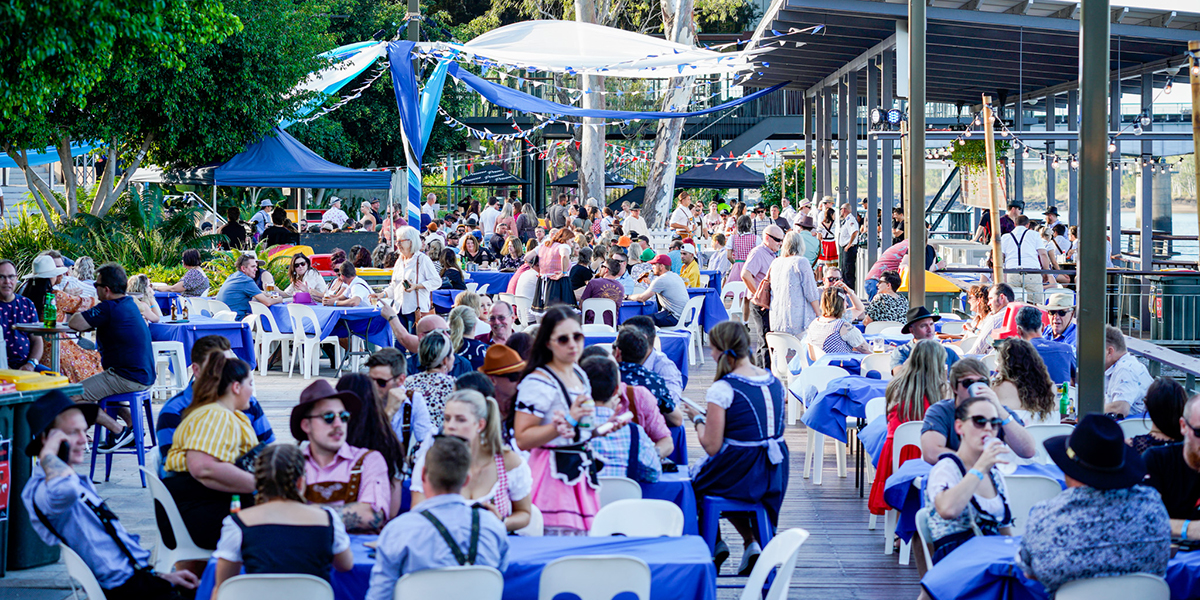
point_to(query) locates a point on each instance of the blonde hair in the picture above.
(484, 409)
(139, 285)
(463, 320)
(921, 382)
(832, 303)
(468, 298)
(730, 339)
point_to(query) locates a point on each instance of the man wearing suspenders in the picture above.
(1022, 249)
(442, 531)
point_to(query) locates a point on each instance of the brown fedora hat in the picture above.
(317, 391)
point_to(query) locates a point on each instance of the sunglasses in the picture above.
(564, 338)
(981, 422)
(833, 279)
(382, 382)
(1059, 313)
(1195, 430)
(970, 382)
(779, 240)
(301, 264)
(330, 416)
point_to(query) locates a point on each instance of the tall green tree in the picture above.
(791, 173)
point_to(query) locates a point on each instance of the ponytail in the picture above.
(485, 409)
(730, 338)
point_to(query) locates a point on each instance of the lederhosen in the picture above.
(472, 546)
(337, 491)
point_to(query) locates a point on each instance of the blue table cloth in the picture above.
(872, 437)
(714, 310)
(985, 568)
(164, 300)
(496, 281)
(679, 438)
(676, 488)
(362, 321)
(680, 567)
(849, 361)
(714, 278)
(443, 300)
(198, 326)
(901, 494)
(844, 397)
(632, 308)
(674, 345)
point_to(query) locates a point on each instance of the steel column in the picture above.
(809, 172)
(843, 127)
(915, 167)
(827, 141)
(1146, 239)
(1093, 141)
(1073, 148)
(1051, 176)
(873, 161)
(1018, 187)
(888, 153)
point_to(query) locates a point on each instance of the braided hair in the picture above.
(278, 473)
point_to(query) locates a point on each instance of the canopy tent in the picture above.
(611, 180)
(488, 176)
(280, 160)
(46, 156)
(196, 176)
(634, 197)
(720, 176)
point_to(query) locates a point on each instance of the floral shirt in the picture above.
(1085, 532)
(635, 374)
(195, 283)
(886, 307)
(20, 310)
(434, 387)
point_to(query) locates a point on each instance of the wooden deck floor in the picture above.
(841, 559)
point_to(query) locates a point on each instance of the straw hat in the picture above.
(43, 268)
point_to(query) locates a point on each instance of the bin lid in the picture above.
(933, 283)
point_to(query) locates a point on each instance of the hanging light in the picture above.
(1025, 154)
(1112, 146)
(1170, 84)
(1137, 129)
(1145, 118)
(968, 133)
(962, 142)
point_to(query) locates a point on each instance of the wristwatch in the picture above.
(699, 420)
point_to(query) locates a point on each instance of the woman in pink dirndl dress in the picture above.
(549, 405)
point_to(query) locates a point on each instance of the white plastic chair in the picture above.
(780, 345)
(524, 305)
(638, 518)
(689, 320)
(876, 408)
(739, 291)
(510, 299)
(613, 489)
(894, 332)
(185, 548)
(1023, 492)
(989, 361)
(1041, 433)
(472, 286)
(257, 587)
(536, 526)
(817, 378)
(599, 307)
(197, 306)
(597, 329)
(264, 340)
(482, 290)
(175, 379)
(967, 343)
(595, 577)
(880, 326)
(307, 346)
(952, 327)
(225, 315)
(1142, 586)
(877, 362)
(925, 535)
(82, 574)
(606, 346)
(907, 434)
(1135, 427)
(451, 583)
(782, 552)
(217, 306)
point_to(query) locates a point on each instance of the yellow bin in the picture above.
(28, 381)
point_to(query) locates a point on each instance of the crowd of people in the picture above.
(486, 422)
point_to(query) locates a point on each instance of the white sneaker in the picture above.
(749, 558)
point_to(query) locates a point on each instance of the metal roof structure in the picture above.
(974, 46)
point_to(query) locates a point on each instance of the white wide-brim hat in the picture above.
(43, 268)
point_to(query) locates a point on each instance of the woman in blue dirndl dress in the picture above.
(742, 432)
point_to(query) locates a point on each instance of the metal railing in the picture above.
(1164, 361)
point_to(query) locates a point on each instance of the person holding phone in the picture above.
(65, 507)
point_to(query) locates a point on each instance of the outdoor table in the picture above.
(714, 278)
(633, 308)
(676, 488)
(55, 334)
(165, 300)
(890, 340)
(680, 567)
(443, 300)
(985, 568)
(496, 281)
(198, 326)
(674, 345)
(713, 311)
(341, 321)
(849, 361)
(843, 397)
(900, 493)
(679, 454)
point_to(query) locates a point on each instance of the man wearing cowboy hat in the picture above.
(920, 323)
(24, 352)
(1052, 217)
(334, 215)
(1104, 524)
(65, 507)
(354, 481)
(1061, 309)
(804, 224)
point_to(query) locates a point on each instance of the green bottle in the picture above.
(1064, 402)
(50, 312)
(936, 311)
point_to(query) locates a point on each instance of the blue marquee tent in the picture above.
(279, 160)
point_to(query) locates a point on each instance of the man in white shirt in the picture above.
(1023, 249)
(671, 291)
(350, 289)
(681, 220)
(847, 241)
(489, 217)
(788, 212)
(430, 207)
(334, 216)
(1125, 379)
(634, 223)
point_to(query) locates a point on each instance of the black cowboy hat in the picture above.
(42, 413)
(1053, 210)
(916, 314)
(1096, 455)
(317, 391)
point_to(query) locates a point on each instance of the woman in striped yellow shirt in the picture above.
(201, 472)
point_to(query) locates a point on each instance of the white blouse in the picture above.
(539, 394)
(313, 280)
(417, 270)
(229, 547)
(520, 479)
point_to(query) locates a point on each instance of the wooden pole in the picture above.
(989, 140)
(1194, 70)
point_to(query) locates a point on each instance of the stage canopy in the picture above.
(611, 180)
(279, 160)
(490, 175)
(719, 176)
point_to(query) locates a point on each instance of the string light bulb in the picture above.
(1112, 146)
(1145, 118)
(1170, 84)
(1025, 154)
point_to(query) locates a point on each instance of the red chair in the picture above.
(1009, 327)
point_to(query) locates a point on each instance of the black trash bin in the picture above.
(1175, 312)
